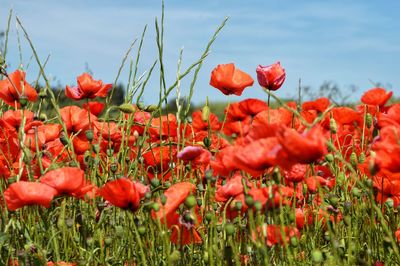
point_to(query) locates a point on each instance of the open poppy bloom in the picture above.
(87, 88)
(14, 87)
(230, 80)
(376, 96)
(302, 148)
(66, 180)
(122, 193)
(23, 193)
(271, 77)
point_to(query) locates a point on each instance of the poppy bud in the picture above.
(258, 205)
(329, 157)
(163, 199)
(271, 77)
(353, 159)
(205, 113)
(249, 200)
(294, 241)
(229, 229)
(317, 256)
(389, 203)
(141, 230)
(110, 152)
(89, 134)
(208, 216)
(155, 182)
(108, 241)
(332, 125)
(238, 205)
(2, 61)
(190, 201)
(207, 142)
(126, 108)
(114, 167)
(42, 93)
(156, 207)
(151, 108)
(43, 117)
(23, 100)
(63, 139)
(368, 120)
(140, 105)
(96, 148)
(175, 256)
(361, 158)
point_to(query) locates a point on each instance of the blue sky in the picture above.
(349, 42)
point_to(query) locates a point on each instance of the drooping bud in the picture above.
(127, 108)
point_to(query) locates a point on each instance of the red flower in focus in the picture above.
(271, 77)
(122, 193)
(302, 148)
(376, 96)
(22, 193)
(66, 180)
(14, 87)
(87, 88)
(229, 79)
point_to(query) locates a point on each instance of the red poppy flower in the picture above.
(391, 117)
(199, 125)
(271, 77)
(176, 195)
(241, 110)
(320, 105)
(158, 161)
(94, 107)
(14, 118)
(14, 87)
(122, 193)
(232, 188)
(196, 155)
(87, 88)
(314, 182)
(257, 156)
(229, 79)
(387, 149)
(376, 96)
(296, 173)
(23, 193)
(66, 180)
(303, 148)
(76, 119)
(274, 234)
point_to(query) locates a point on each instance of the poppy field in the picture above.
(271, 182)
